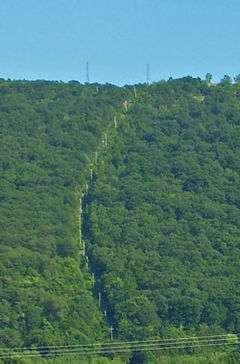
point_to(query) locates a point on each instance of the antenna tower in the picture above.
(87, 73)
(148, 74)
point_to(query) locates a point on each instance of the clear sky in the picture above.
(53, 39)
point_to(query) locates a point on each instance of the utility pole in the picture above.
(84, 250)
(81, 242)
(115, 122)
(135, 92)
(96, 157)
(91, 175)
(87, 73)
(111, 332)
(93, 278)
(80, 221)
(99, 299)
(106, 139)
(148, 74)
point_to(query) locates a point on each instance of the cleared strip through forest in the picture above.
(84, 190)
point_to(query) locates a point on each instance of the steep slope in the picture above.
(161, 217)
(164, 216)
(49, 131)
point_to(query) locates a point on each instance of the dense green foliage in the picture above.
(164, 216)
(161, 218)
(219, 357)
(49, 132)
(70, 359)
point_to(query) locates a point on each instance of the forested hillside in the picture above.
(164, 219)
(49, 132)
(161, 217)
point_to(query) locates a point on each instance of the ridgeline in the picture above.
(155, 251)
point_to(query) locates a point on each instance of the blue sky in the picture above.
(53, 39)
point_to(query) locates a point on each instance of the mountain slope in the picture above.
(164, 216)
(161, 218)
(49, 133)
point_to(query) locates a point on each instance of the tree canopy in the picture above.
(161, 217)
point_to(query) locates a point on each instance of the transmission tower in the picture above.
(148, 74)
(87, 73)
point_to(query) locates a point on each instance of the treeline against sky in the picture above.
(49, 133)
(164, 218)
(161, 218)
